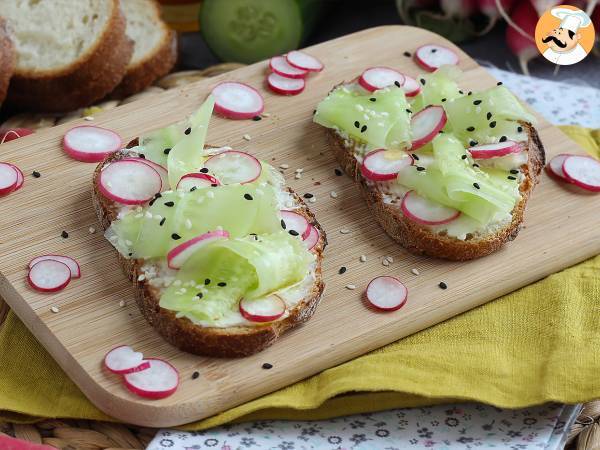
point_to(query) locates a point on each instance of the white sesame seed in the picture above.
(299, 170)
(247, 137)
(333, 194)
(312, 200)
(350, 287)
(363, 258)
(344, 231)
(142, 277)
(266, 114)
(389, 259)
(415, 271)
(92, 230)
(88, 118)
(284, 166)
(54, 309)
(385, 262)
(359, 107)
(298, 176)
(122, 303)
(188, 224)
(148, 215)
(128, 243)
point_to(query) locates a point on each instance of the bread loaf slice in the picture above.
(69, 54)
(235, 341)
(7, 60)
(155, 47)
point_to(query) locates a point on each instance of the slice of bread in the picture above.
(422, 240)
(7, 60)
(234, 341)
(155, 48)
(68, 55)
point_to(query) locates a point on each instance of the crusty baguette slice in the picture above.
(181, 332)
(419, 239)
(155, 48)
(7, 60)
(68, 55)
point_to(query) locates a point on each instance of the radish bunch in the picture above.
(289, 72)
(52, 273)
(580, 170)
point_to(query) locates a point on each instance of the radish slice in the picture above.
(375, 78)
(14, 133)
(235, 100)
(386, 293)
(20, 177)
(554, 167)
(232, 167)
(285, 86)
(9, 178)
(49, 276)
(584, 171)
(279, 65)
(304, 61)
(68, 261)
(432, 57)
(378, 166)
(313, 237)
(123, 360)
(411, 86)
(196, 181)
(162, 171)
(426, 212)
(129, 182)
(265, 309)
(295, 224)
(180, 254)
(91, 144)
(158, 381)
(426, 124)
(487, 151)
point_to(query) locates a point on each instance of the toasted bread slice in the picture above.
(155, 48)
(7, 60)
(422, 240)
(68, 55)
(235, 341)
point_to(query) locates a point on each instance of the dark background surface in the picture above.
(357, 15)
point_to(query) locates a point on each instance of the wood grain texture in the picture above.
(558, 232)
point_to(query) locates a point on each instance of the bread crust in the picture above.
(7, 60)
(420, 240)
(228, 342)
(90, 78)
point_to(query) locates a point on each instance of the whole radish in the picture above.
(524, 19)
(490, 9)
(458, 8)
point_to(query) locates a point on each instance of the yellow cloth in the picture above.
(535, 345)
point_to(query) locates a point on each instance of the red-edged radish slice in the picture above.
(196, 181)
(426, 124)
(375, 78)
(285, 86)
(232, 167)
(386, 293)
(158, 381)
(180, 254)
(9, 178)
(279, 65)
(91, 144)
(68, 261)
(295, 224)
(554, 167)
(304, 61)
(378, 166)
(265, 309)
(14, 133)
(431, 57)
(235, 100)
(49, 276)
(486, 151)
(583, 171)
(20, 177)
(123, 360)
(313, 237)
(426, 212)
(129, 182)
(411, 86)
(162, 171)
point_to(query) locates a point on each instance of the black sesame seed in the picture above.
(510, 177)
(443, 100)
(433, 50)
(257, 118)
(373, 99)
(64, 235)
(408, 111)
(477, 102)
(130, 254)
(162, 221)
(338, 172)
(397, 83)
(170, 204)
(488, 115)
(283, 225)
(166, 151)
(420, 168)
(175, 237)
(357, 124)
(221, 284)
(199, 295)
(293, 232)
(248, 197)
(443, 285)
(514, 171)
(342, 270)
(464, 157)
(188, 131)
(471, 129)
(204, 170)
(493, 124)
(142, 156)
(214, 185)
(473, 142)
(195, 375)
(475, 165)
(363, 129)
(519, 129)
(267, 366)
(207, 282)
(415, 157)
(503, 138)
(499, 83)
(422, 80)
(476, 186)
(308, 195)
(36, 174)
(460, 91)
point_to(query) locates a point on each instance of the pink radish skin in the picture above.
(9, 178)
(313, 237)
(280, 66)
(375, 78)
(196, 180)
(266, 309)
(237, 101)
(14, 133)
(296, 222)
(411, 87)
(285, 86)
(232, 167)
(68, 261)
(386, 293)
(426, 212)
(49, 276)
(177, 257)
(20, 177)
(525, 17)
(583, 171)
(487, 151)
(304, 61)
(431, 57)
(123, 360)
(377, 167)
(162, 171)
(160, 380)
(426, 124)
(129, 182)
(554, 167)
(91, 144)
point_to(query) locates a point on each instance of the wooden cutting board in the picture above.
(558, 233)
